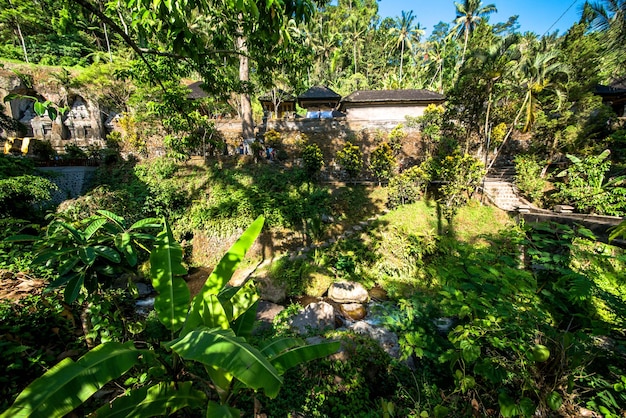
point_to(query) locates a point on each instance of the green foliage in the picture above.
(74, 152)
(17, 257)
(580, 277)
(407, 187)
(292, 275)
(402, 257)
(157, 190)
(312, 159)
(272, 138)
(42, 150)
(90, 253)
(586, 188)
(382, 162)
(460, 176)
(35, 330)
(528, 177)
(395, 138)
(349, 387)
(48, 108)
(350, 158)
(430, 125)
(20, 189)
(237, 195)
(213, 331)
(132, 134)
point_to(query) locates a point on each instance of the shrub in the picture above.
(460, 176)
(272, 138)
(395, 137)
(586, 188)
(351, 159)
(20, 190)
(43, 150)
(313, 159)
(382, 162)
(407, 187)
(528, 177)
(74, 152)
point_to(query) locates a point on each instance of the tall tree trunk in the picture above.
(354, 56)
(401, 59)
(465, 44)
(106, 37)
(487, 136)
(19, 34)
(119, 14)
(508, 134)
(247, 125)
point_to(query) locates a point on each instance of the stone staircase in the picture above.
(499, 187)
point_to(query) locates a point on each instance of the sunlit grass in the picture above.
(470, 223)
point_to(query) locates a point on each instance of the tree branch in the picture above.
(85, 4)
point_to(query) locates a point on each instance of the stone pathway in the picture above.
(499, 187)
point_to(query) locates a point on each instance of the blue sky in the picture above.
(534, 15)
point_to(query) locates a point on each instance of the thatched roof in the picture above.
(319, 92)
(618, 87)
(196, 91)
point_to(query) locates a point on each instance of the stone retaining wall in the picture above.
(72, 181)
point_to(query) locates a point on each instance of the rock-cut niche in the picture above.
(23, 110)
(78, 121)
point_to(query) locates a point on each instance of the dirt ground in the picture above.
(15, 286)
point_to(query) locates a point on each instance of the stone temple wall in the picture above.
(84, 123)
(87, 123)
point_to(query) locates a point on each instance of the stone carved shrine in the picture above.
(78, 121)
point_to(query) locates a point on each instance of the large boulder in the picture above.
(348, 292)
(270, 290)
(386, 339)
(317, 282)
(265, 315)
(353, 311)
(315, 317)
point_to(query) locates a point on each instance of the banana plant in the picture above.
(210, 330)
(91, 252)
(40, 108)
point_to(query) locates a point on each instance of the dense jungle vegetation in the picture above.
(538, 312)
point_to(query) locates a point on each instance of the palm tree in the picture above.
(489, 70)
(403, 31)
(468, 15)
(325, 42)
(538, 73)
(496, 63)
(609, 17)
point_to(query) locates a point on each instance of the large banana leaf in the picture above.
(216, 410)
(211, 314)
(230, 261)
(272, 348)
(240, 305)
(162, 399)
(243, 300)
(222, 380)
(223, 349)
(244, 324)
(302, 354)
(166, 267)
(222, 274)
(68, 384)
